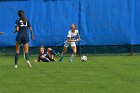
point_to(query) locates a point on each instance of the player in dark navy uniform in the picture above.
(22, 25)
(46, 56)
(43, 56)
(1, 33)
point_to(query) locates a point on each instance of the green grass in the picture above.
(101, 74)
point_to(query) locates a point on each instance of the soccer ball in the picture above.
(84, 58)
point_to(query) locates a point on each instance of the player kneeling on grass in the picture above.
(71, 41)
(46, 56)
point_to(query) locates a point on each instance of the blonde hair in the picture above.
(74, 25)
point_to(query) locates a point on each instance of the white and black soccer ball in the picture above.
(84, 58)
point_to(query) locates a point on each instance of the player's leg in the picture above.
(52, 54)
(51, 57)
(45, 59)
(63, 53)
(55, 60)
(26, 51)
(17, 53)
(66, 45)
(73, 45)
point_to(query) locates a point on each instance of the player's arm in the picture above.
(16, 27)
(38, 60)
(31, 30)
(71, 40)
(69, 37)
(79, 37)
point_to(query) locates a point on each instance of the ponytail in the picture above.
(21, 15)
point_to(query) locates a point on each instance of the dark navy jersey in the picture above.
(22, 36)
(22, 28)
(43, 59)
(46, 56)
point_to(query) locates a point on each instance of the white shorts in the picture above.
(69, 43)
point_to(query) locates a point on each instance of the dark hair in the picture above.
(21, 15)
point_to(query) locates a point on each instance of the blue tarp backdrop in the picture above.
(100, 22)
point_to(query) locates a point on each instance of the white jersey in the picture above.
(72, 36)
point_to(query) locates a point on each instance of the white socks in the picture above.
(72, 57)
(62, 54)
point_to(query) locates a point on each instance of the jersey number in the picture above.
(21, 23)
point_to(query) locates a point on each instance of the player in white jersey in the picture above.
(71, 41)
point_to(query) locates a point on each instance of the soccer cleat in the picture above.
(15, 66)
(60, 60)
(28, 63)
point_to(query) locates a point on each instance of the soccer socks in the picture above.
(16, 58)
(72, 57)
(61, 58)
(62, 54)
(53, 52)
(27, 59)
(27, 56)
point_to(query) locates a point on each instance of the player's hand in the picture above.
(15, 32)
(32, 37)
(78, 39)
(35, 61)
(42, 56)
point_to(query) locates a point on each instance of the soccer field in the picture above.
(100, 74)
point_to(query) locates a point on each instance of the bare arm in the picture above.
(16, 29)
(31, 31)
(71, 40)
(79, 37)
(38, 60)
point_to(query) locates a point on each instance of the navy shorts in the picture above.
(45, 60)
(51, 59)
(22, 38)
